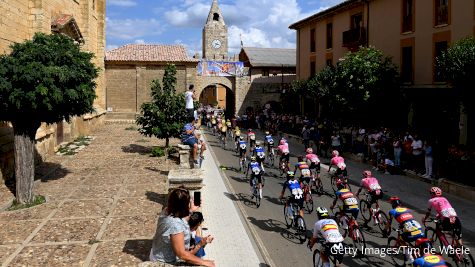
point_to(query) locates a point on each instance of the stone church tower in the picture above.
(215, 35)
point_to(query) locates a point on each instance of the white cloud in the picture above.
(132, 29)
(111, 47)
(123, 3)
(140, 41)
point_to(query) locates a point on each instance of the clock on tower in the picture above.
(215, 35)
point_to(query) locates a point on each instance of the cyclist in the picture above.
(224, 130)
(314, 162)
(228, 126)
(256, 173)
(242, 148)
(295, 189)
(284, 152)
(214, 123)
(305, 173)
(425, 256)
(349, 204)
(260, 154)
(326, 229)
(372, 186)
(447, 216)
(339, 163)
(237, 135)
(269, 142)
(411, 229)
(251, 139)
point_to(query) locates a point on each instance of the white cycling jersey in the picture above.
(328, 229)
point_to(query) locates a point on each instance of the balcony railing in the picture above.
(354, 37)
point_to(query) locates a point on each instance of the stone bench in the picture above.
(191, 178)
(163, 264)
(186, 156)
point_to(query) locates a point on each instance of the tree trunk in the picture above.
(167, 142)
(24, 152)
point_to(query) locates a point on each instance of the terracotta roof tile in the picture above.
(149, 53)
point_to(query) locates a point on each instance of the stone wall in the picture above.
(19, 20)
(128, 83)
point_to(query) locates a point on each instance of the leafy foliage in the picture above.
(158, 152)
(165, 116)
(458, 66)
(46, 79)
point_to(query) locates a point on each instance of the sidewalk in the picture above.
(232, 245)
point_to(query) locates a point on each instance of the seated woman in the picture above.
(172, 237)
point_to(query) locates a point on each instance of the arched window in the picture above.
(216, 17)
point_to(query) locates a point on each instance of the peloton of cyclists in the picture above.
(326, 230)
(349, 205)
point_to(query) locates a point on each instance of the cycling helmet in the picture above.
(253, 158)
(395, 202)
(300, 158)
(290, 174)
(309, 150)
(282, 142)
(367, 173)
(339, 184)
(335, 153)
(436, 192)
(267, 132)
(322, 213)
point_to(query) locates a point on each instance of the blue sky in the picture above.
(261, 23)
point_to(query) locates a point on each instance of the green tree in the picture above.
(46, 79)
(457, 64)
(166, 115)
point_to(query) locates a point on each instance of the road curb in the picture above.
(257, 240)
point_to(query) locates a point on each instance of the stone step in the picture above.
(190, 178)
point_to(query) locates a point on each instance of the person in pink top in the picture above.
(339, 163)
(448, 220)
(313, 160)
(284, 151)
(371, 184)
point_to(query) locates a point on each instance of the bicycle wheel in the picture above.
(431, 234)
(397, 258)
(383, 221)
(258, 198)
(365, 209)
(464, 259)
(317, 260)
(287, 217)
(301, 229)
(359, 241)
(308, 203)
(333, 183)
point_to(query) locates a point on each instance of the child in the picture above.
(197, 241)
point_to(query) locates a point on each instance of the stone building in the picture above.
(270, 71)
(413, 33)
(130, 70)
(83, 21)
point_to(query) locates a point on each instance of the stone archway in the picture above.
(228, 83)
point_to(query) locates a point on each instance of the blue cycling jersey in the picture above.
(259, 149)
(292, 184)
(269, 138)
(242, 143)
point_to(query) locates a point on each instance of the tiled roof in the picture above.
(270, 57)
(149, 53)
(325, 12)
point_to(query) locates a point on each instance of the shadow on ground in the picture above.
(134, 148)
(139, 248)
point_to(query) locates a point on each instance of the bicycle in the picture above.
(242, 164)
(379, 217)
(316, 183)
(307, 197)
(255, 191)
(395, 244)
(334, 258)
(283, 167)
(292, 218)
(354, 231)
(452, 249)
(344, 179)
(271, 156)
(223, 141)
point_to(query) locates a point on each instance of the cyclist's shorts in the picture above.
(338, 253)
(298, 201)
(353, 211)
(260, 160)
(409, 237)
(236, 138)
(373, 197)
(285, 157)
(242, 152)
(258, 177)
(305, 180)
(315, 166)
(341, 172)
(252, 143)
(456, 227)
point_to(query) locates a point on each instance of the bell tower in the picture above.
(215, 35)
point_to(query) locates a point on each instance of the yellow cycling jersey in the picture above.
(228, 123)
(224, 128)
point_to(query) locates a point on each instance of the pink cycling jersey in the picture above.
(284, 149)
(339, 162)
(370, 184)
(313, 158)
(442, 206)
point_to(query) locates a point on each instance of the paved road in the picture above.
(280, 243)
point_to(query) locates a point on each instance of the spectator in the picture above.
(387, 166)
(397, 147)
(197, 242)
(428, 159)
(306, 136)
(190, 97)
(172, 237)
(201, 143)
(336, 141)
(407, 149)
(188, 138)
(417, 154)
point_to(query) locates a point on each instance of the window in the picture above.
(313, 44)
(329, 62)
(216, 17)
(441, 12)
(329, 35)
(439, 48)
(356, 21)
(406, 64)
(313, 69)
(407, 15)
(265, 73)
